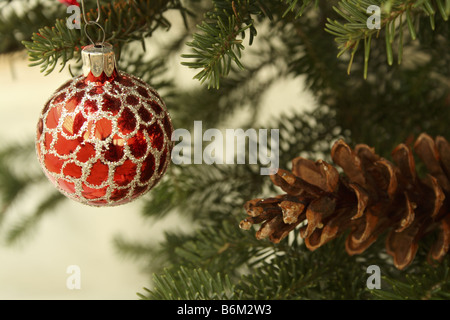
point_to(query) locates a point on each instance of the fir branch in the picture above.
(222, 247)
(308, 134)
(305, 49)
(241, 89)
(293, 273)
(132, 249)
(426, 283)
(26, 225)
(286, 277)
(218, 245)
(191, 284)
(13, 180)
(151, 71)
(281, 272)
(123, 22)
(11, 188)
(16, 27)
(196, 190)
(350, 35)
(218, 45)
(297, 9)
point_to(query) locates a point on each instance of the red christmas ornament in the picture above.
(70, 2)
(103, 138)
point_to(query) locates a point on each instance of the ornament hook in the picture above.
(91, 22)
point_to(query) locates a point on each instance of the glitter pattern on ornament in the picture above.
(104, 141)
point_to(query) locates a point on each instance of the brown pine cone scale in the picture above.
(372, 196)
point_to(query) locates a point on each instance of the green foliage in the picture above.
(35, 15)
(429, 282)
(284, 271)
(315, 41)
(26, 225)
(123, 22)
(350, 34)
(191, 284)
(300, 275)
(152, 71)
(394, 102)
(297, 9)
(219, 42)
(16, 182)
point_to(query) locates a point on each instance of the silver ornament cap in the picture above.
(98, 58)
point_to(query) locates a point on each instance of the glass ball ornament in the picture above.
(104, 138)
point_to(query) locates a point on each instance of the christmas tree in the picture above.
(364, 174)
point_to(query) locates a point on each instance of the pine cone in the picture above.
(373, 196)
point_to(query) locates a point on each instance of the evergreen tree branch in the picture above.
(26, 225)
(196, 190)
(297, 9)
(151, 71)
(123, 22)
(14, 180)
(16, 27)
(191, 284)
(384, 109)
(426, 283)
(355, 32)
(242, 89)
(219, 42)
(218, 245)
(221, 247)
(374, 120)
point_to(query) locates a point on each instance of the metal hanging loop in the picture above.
(91, 22)
(89, 37)
(84, 13)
